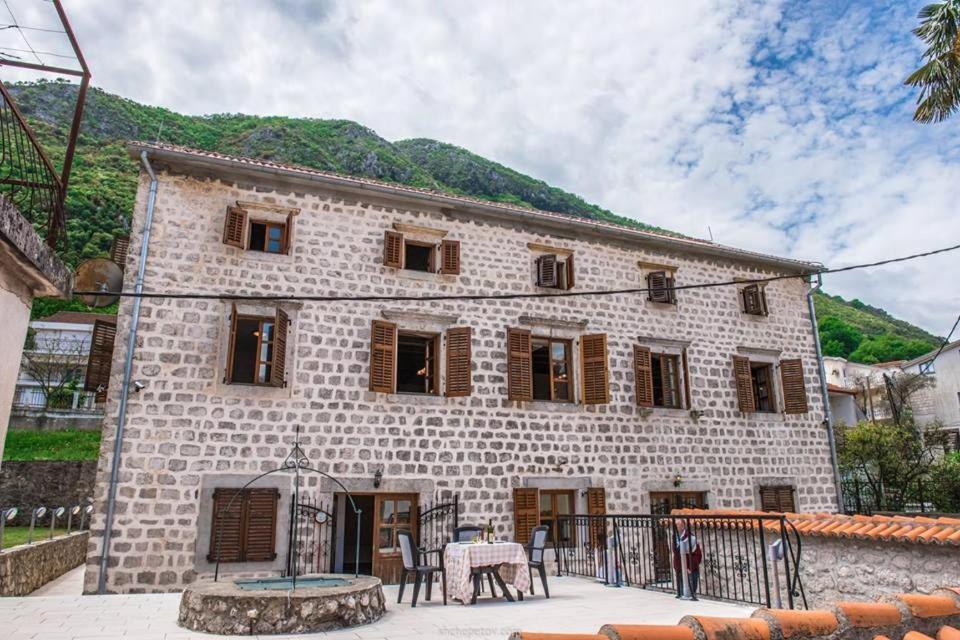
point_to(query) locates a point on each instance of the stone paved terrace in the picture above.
(576, 605)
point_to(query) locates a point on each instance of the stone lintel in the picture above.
(557, 323)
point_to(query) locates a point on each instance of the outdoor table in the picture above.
(508, 558)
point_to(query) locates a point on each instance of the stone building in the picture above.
(523, 408)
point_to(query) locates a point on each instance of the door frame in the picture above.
(374, 521)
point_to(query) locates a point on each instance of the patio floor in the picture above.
(576, 605)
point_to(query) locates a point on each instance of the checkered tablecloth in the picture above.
(459, 559)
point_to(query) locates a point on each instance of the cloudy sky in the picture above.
(782, 127)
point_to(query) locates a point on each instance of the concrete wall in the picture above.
(26, 568)
(15, 304)
(187, 425)
(50, 420)
(50, 483)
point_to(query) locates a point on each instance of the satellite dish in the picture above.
(98, 274)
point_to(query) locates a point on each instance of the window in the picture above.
(666, 380)
(777, 498)
(257, 349)
(269, 237)
(553, 503)
(243, 525)
(395, 515)
(761, 377)
(554, 273)
(417, 363)
(753, 299)
(421, 255)
(660, 287)
(551, 369)
(755, 386)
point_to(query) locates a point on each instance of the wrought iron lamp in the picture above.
(377, 478)
(677, 480)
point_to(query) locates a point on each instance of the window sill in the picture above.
(665, 306)
(764, 416)
(421, 276)
(545, 405)
(264, 257)
(422, 399)
(241, 390)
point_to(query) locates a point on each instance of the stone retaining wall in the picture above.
(26, 568)
(50, 483)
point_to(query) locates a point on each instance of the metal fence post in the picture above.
(786, 559)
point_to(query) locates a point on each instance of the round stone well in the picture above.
(227, 608)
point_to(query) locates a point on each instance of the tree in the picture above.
(57, 365)
(939, 78)
(944, 483)
(838, 338)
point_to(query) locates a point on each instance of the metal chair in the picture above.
(467, 533)
(412, 556)
(535, 549)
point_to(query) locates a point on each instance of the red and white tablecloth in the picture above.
(460, 558)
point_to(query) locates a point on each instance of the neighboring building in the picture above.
(843, 405)
(941, 401)
(524, 408)
(867, 380)
(50, 391)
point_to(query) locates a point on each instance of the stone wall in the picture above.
(50, 483)
(834, 569)
(54, 420)
(187, 425)
(26, 568)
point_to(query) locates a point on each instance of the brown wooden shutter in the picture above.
(777, 499)
(459, 374)
(519, 365)
(226, 526)
(794, 390)
(593, 369)
(643, 374)
(547, 271)
(597, 506)
(260, 520)
(287, 234)
(234, 225)
(754, 300)
(570, 270)
(450, 257)
(118, 251)
(383, 356)
(393, 249)
(278, 369)
(687, 404)
(100, 359)
(231, 344)
(526, 513)
(741, 371)
(657, 290)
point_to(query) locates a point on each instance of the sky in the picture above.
(781, 127)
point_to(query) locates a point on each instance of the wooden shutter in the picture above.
(100, 359)
(754, 300)
(547, 271)
(234, 225)
(226, 526)
(393, 249)
(281, 327)
(526, 513)
(593, 369)
(450, 257)
(118, 251)
(643, 374)
(459, 374)
(794, 390)
(519, 365)
(657, 290)
(287, 234)
(741, 371)
(260, 520)
(597, 506)
(571, 277)
(231, 344)
(778, 499)
(687, 404)
(383, 356)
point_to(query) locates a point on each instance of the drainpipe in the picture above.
(827, 414)
(127, 373)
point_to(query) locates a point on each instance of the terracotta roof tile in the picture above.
(924, 606)
(646, 632)
(948, 633)
(729, 628)
(870, 614)
(800, 624)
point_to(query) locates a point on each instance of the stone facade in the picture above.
(187, 425)
(26, 568)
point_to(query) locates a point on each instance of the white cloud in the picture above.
(782, 126)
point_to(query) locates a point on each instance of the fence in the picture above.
(44, 522)
(921, 496)
(30, 398)
(638, 551)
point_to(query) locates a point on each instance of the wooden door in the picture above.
(662, 503)
(392, 512)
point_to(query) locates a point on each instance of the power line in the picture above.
(501, 296)
(22, 34)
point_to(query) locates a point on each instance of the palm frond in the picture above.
(939, 77)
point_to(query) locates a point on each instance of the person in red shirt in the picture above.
(693, 557)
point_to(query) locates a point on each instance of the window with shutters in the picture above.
(421, 252)
(660, 287)
(753, 300)
(665, 374)
(661, 377)
(257, 349)
(761, 377)
(409, 362)
(552, 369)
(777, 498)
(418, 363)
(100, 359)
(555, 272)
(269, 232)
(558, 502)
(243, 525)
(268, 237)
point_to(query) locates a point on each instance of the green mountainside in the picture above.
(103, 184)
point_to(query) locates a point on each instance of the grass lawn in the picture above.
(51, 445)
(12, 536)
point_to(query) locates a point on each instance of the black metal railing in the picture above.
(920, 496)
(638, 551)
(310, 548)
(436, 522)
(27, 177)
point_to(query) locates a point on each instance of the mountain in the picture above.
(103, 184)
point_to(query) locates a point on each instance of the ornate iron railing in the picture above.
(311, 543)
(27, 177)
(638, 551)
(436, 522)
